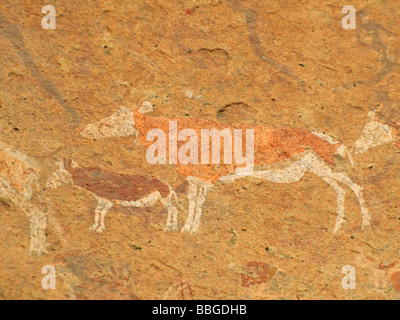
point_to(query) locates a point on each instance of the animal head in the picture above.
(119, 124)
(376, 132)
(61, 175)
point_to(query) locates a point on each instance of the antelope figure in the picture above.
(310, 152)
(19, 177)
(112, 188)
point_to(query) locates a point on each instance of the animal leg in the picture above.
(172, 216)
(30, 183)
(37, 230)
(344, 178)
(201, 198)
(321, 169)
(296, 171)
(105, 206)
(96, 218)
(192, 196)
(340, 193)
(37, 218)
(172, 221)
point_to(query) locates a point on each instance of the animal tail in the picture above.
(342, 150)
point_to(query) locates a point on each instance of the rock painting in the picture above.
(314, 152)
(19, 182)
(112, 188)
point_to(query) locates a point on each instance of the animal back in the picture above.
(114, 186)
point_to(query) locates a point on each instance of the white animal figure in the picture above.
(112, 188)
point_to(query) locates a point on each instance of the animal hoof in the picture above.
(194, 230)
(38, 252)
(170, 228)
(339, 223)
(186, 228)
(366, 222)
(100, 229)
(93, 227)
(366, 225)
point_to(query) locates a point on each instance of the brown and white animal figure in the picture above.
(19, 182)
(310, 152)
(111, 188)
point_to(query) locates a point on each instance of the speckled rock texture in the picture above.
(271, 64)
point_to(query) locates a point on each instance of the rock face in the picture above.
(327, 96)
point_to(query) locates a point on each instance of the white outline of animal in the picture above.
(122, 123)
(19, 169)
(63, 176)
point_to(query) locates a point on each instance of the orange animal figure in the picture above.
(314, 153)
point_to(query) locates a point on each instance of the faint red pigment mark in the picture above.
(256, 272)
(88, 279)
(177, 291)
(187, 12)
(397, 144)
(187, 285)
(382, 274)
(395, 280)
(394, 274)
